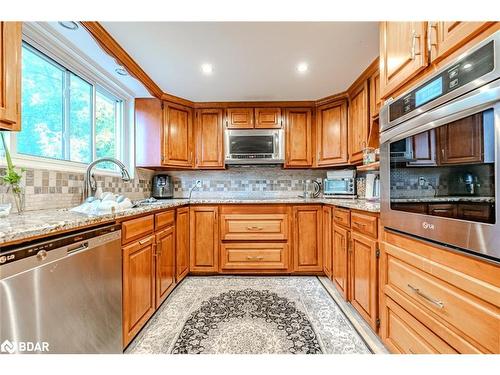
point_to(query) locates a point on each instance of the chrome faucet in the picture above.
(89, 183)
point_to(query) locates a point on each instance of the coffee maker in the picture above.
(163, 186)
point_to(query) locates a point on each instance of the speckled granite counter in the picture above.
(16, 228)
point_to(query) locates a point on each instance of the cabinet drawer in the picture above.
(137, 228)
(254, 256)
(342, 216)
(457, 309)
(402, 333)
(164, 219)
(254, 226)
(364, 224)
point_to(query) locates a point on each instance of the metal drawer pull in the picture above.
(249, 257)
(142, 242)
(359, 224)
(436, 302)
(255, 228)
(339, 218)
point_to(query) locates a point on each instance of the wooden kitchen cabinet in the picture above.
(375, 102)
(423, 146)
(209, 139)
(327, 241)
(331, 134)
(402, 53)
(178, 132)
(363, 277)
(446, 36)
(298, 138)
(359, 122)
(268, 118)
(340, 263)
(181, 244)
(165, 263)
(138, 285)
(240, 118)
(307, 248)
(460, 142)
(10, 75)
(204, 239)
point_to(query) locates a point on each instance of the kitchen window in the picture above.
(65, 117)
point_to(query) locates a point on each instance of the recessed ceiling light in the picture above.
(70, 25)
(121, 71)
(207, 68)
(302, 67)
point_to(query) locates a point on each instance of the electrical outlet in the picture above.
(197, 184)
(421, 181)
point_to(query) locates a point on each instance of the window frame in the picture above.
(68, 58)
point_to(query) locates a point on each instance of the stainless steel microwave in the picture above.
(439, 155)
(262, 146)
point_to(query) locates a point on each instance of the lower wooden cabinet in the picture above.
(363, 277)
(204, 239)
(138, 286)
(307, 249)
(327, 241)
(454, 296)
(182, 244)
(165, 263)
(340, 263)
(254, 256)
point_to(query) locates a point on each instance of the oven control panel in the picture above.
(465, 70)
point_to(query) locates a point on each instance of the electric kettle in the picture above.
(312, 189)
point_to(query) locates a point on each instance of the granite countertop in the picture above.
(15, 228)
(444, 199)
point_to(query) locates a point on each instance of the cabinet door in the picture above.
(204, 239)
(375, 101)
(10, 75)
(177, 136)
(182, 243)
(402, 53)
(359, 122)
(340, 242)
(165, 263)
(447, 36)
(209, 135)
(148, 132)
(461, 142)
(327, 241)
(331, 134)
(363, 277)
(240, 118)
(298, 136)
(424, 148)
(307, 249)
(138, 286)
(268, 118)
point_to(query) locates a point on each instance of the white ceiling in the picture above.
(251, 60)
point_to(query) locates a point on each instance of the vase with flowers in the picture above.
(12, 178)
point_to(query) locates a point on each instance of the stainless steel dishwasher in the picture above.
(63, 295)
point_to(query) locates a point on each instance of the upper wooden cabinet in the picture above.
(268, 118)
(307, 249)
(204, 239)
(177, 136)
(148, 132)
(445, 36)
(402, 53)
(375, 102)
(209, 139)
(10, 75)
(240, 118)
(331, 134)
(359, 122)
(298, 138)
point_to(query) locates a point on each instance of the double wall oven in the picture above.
(440, 147)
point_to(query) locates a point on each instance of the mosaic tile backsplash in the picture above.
(47, 189)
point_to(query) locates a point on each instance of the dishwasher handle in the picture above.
(81, 247)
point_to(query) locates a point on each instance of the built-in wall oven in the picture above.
(440, 147)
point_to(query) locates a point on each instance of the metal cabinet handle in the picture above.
(249, 257)
(362, 225)
(434, 301)
(142, 242)
(255, 228)
(413, 51)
